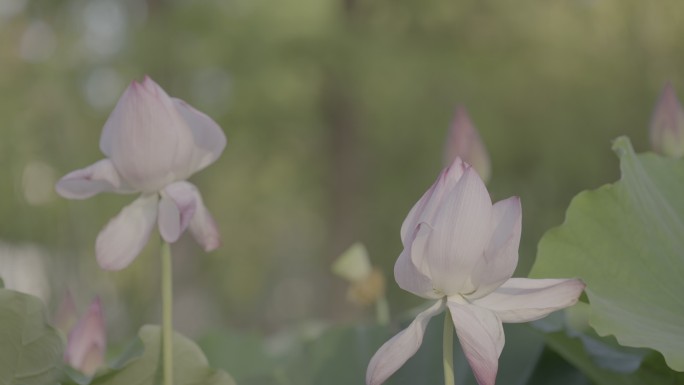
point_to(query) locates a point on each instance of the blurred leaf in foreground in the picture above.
(190, 364)
(30, 349)
(626, 242)
(652, 371)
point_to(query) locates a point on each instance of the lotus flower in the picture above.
(460, 251)
(153, 143)
(87, 342)
(465, 142)
(667, 124)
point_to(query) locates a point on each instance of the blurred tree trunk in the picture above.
(345, 152)
(342, 117)
(154, 5)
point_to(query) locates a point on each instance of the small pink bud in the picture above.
(87, 342)
(66, 314)
(464, 141)
(667, 124)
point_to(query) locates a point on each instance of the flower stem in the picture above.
(167, 313)
(448, 349)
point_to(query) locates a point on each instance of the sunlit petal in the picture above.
(501, 255)
(94, 179)
(482, 338)
(460, 233)
(395, 352)
(126, 234)
(522, 299)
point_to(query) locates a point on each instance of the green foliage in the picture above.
(516, 365)
(190, 364)
(244, 355)
(652, 371)
(339, 355)
(30, 349)
(625, 241)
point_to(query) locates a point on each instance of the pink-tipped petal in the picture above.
(464, 141)
(208, 135)
(92, 180)
(203, 227)
(501, 255)
(395, 352)
(481, 335)
(523, 299)
(461, 231)
(125, 235)
(147, 139)
(177, 206)
(428, 205)
(87, 342)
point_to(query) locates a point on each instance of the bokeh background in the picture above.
(336, 113)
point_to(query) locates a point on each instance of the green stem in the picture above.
(448, 349)
(382, 311)
(167, 313)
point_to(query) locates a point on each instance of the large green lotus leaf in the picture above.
(340, 355)
(190, 364)
(652, 371)
(552, 368)
(30, 350)
(626, 241)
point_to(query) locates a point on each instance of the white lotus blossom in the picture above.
(460, 251)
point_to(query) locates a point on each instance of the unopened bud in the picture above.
(87, 342)
(667, 124)
(464, 141)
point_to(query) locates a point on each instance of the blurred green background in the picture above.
(336, 112)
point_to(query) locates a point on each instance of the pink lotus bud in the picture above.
(667, 124)
(464, 142)
(66, 314)
(87, 342)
